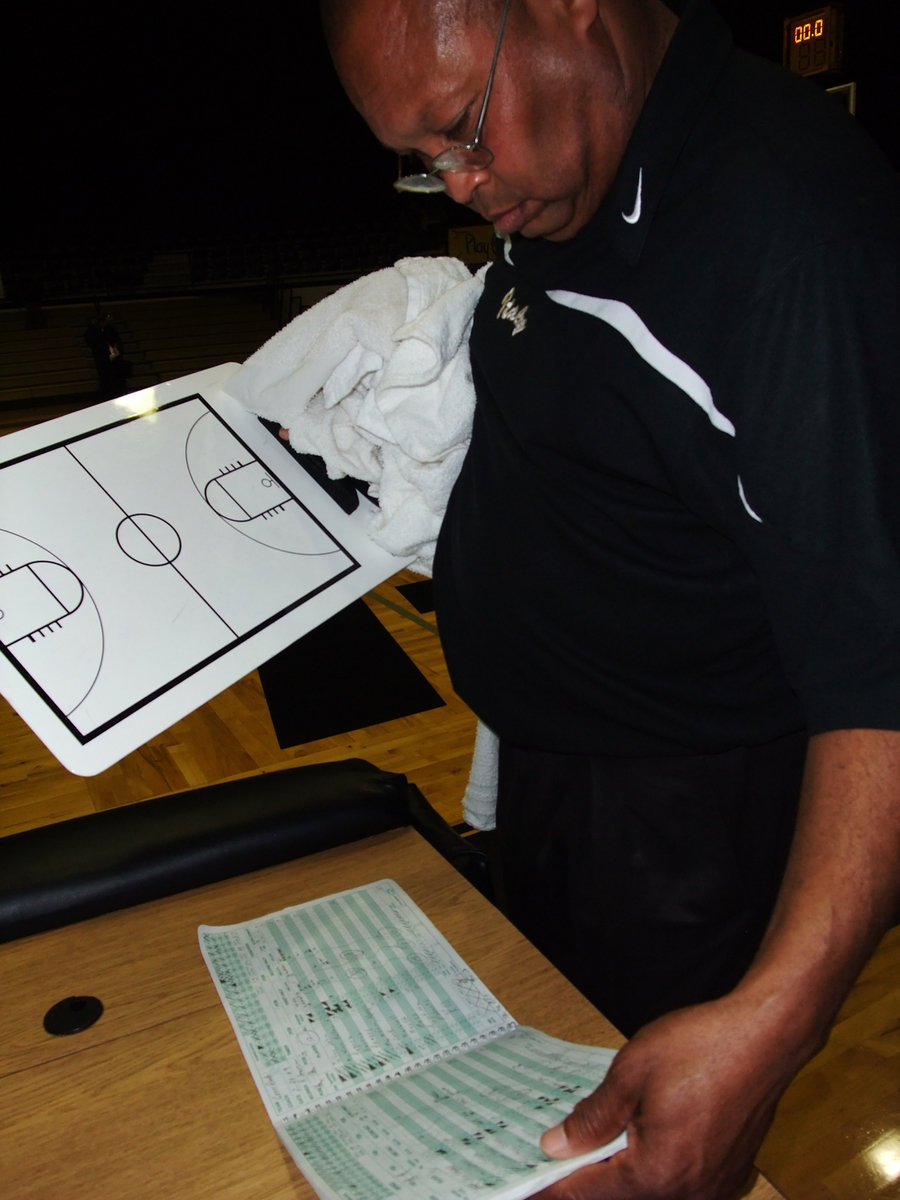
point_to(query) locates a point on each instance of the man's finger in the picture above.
(594, 1121)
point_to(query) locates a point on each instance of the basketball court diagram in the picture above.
(135, 554)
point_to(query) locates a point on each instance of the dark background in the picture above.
(177, 122)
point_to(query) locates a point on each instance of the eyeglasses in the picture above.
(468, 156)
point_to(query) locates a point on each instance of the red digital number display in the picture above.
(813, 41)
(808, 30)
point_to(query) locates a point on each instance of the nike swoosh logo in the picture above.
(635, 215)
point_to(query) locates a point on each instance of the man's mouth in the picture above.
(508, 220)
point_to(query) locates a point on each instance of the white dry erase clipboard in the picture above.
(154, 549)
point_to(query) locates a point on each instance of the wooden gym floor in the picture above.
(837, 1133)
(232, 736)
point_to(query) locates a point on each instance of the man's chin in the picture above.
(557, 223)
(536, 219)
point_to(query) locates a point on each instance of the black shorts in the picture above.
(648, 882)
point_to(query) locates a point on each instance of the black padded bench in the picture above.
(80, 868)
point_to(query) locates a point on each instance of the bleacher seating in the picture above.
(43, 361)
(161, 339)
(187, 334)
(180, 308)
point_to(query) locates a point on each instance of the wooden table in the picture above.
(155, 1099)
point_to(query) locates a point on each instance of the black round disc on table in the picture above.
(72, 1015)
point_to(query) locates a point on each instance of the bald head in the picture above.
(571, 80)
(440, 15)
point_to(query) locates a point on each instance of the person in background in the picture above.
(102, 338)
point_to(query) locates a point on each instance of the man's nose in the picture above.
(462, 185)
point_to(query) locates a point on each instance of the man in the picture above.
(668, 575)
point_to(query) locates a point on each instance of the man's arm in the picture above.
(697, 1088)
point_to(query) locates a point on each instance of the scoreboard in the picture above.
(814, 41)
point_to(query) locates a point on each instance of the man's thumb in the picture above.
(594, 1121)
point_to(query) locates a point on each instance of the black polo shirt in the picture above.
(676, 529)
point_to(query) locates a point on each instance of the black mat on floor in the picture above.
(344, 675)
(420, 595)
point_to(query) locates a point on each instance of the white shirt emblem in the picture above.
(510, 311)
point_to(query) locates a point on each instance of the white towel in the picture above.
(480, 799)
(375, 379)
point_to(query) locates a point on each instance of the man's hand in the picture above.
(696, 1091)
